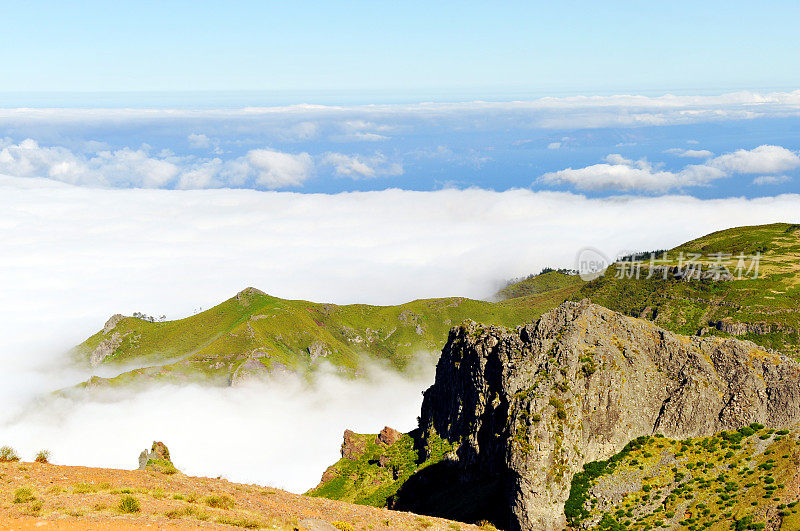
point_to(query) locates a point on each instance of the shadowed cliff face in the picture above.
(527, 408)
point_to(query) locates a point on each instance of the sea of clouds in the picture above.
(72, 256)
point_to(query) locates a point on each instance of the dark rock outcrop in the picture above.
(526, 408)
(736, 328)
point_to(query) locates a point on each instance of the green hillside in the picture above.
(253, 333)
(377, 471)
(764, 310)
(539, 284)
(739, 480)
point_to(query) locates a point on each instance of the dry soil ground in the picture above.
(43, 496)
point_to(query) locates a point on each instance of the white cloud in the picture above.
(771, 179)
(275, 169)
(67, 267)
(554, 145)
(363, 131)
(127, 167)
(123, 167)
(690, 153)
(200, 141)
(763, 159)
(282, 421)
(303, 131)
(139, 168)
(374, 122)
(357, 166)
(619, 173)
(203, 175)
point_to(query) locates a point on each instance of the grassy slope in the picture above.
(283, 333)
(278, 333)
(690, 307)
(406, 477)
(368, 481)
(736, 480)
(539, 284)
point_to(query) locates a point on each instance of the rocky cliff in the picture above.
(527, 408)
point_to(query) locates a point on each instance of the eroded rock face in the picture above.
(112, 322)
(105, 349)
(157, 459)
(318, 349)
(246, 294)
(353, 446)
(531, 406)
(388, 436)
(249, 371)
(736, 328)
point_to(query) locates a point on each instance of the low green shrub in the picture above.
(24, 495)
(129, 504)
(245, 523)
(43, 456)
(8, 455)
(219, 501)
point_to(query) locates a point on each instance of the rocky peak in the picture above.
(112, 322)
(157, 459)
(388, 436)
(353, 446)
(530, 406)
(247, 294)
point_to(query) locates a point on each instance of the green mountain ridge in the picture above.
(253, 334)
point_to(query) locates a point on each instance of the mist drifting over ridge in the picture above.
(74, 256)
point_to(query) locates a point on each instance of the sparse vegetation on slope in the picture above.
(34, 495)
(745, 479)
(546, 281)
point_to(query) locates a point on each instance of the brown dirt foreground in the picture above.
(41, 496)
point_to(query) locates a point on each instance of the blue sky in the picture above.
(594, 98)
(400, 50)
